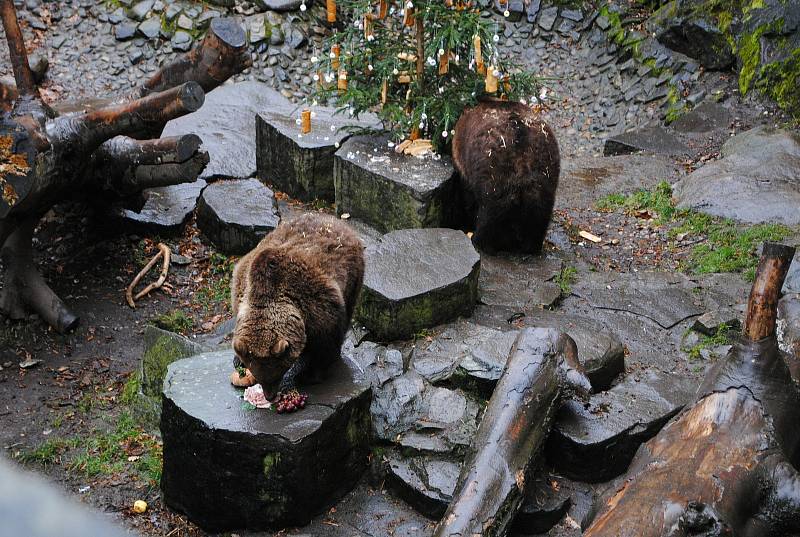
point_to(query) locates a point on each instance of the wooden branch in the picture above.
(163, 253)
(26, 85)
(762, 306)
(124, 151)
(222, 54)
(541, 369)
(420, 31)
(83, 133)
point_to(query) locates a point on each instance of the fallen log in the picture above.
(726, 464)
(541, 370)
(95, 151)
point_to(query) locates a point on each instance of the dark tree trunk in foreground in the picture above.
(726, 464)
(541, 369)
(97, 150)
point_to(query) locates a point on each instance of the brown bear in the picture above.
(508, 162)
(293, 297)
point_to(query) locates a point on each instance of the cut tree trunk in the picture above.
(542, 369)
(726, 464)
(96, 151)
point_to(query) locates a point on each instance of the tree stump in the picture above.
(99, 152)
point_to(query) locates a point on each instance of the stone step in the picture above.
(390, 191)
(165, 209)
(227, 467)
(416, 279)
(595, 442)
(301, 165)
(236, 214)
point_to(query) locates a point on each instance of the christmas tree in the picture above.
(417, 64)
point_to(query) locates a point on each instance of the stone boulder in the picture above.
(651, 139)
(416, 279)
(235, 215)
(301, 165)
(389, 191)
(165, 209)
(757, 180)
(227, 125)
(228, 466)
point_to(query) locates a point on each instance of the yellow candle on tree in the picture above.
(491, 80)
(342, 83)
(305, 124)
(331, 8)
(336, 49)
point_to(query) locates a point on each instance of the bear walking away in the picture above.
(509, 163)
(293, 297)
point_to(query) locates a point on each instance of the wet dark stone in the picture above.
(300, 165)
(380, 364)
(520, 282)
(665, 298)
(684, 29)
(32, 507)
(166, 209)
(227, 467)
(533, 10)
(237, 214)
(547, 500)
(281, 5)
(181, 41)
(416, 279)
(390, 191)
(710, 322)
(706, 117)
(425, 482)
(226, 124)
(548, 18)
(140, 10)
(651, 139)
(124, 31)
(596, 442)
(150, 28)
(755, 181)
(575, 15)
(39, 64)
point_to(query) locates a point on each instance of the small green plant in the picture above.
(47, 453)
(174, 321)
(723, 336)
(218, 287)
(131, 389)
(566, 278)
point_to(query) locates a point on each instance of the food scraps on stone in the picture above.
(256, 397)
(242, 378)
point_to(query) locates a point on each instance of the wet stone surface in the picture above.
(758, 164)
(166, 209)
(416, 279)
(521, 283)
(302, 164)
(614, 424)
(389, 191)
(228, 467)
(236, 214)
(226, 124)
(652, 139)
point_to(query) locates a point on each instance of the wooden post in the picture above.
(26, 85)
(762, 305)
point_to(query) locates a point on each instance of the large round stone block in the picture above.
(415, 279)
(237, 214)
(228, 467)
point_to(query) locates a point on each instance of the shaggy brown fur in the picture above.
(509, 164)
(293, 297)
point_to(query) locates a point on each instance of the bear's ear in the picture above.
(280, 347)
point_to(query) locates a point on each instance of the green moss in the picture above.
(566, 278)
(723, 336)
(132, 388)
(174, 321)
(781, 81)
(157, 358)
(269, 462)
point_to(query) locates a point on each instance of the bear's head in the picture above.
(270, 332)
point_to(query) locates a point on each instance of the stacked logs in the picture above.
(102, 149)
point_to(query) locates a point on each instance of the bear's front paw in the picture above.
(290, 402)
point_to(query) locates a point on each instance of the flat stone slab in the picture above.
(390, 191)
(166, 208)
(596, 442)
(651, 139)
(301, 165)
(522, 283)
(756, 181)
(705, 117)
(227, 467)
(236, 214)
(415, 279)
(665, 298)
(472, 356)
(226, 124)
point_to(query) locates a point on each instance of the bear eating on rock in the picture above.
(509, 163)
(293, 297)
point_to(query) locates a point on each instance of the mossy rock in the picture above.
(229, 466)
(417, 279)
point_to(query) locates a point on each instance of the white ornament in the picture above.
(370, 37)
(315, 77)
(302, 7)
(421, 125)
(496, 38)
(424, 116)
(441, 52)
(444, 134)
(331, 55)
(395, 71)
(496, 74)
(410, 5)
(314, 59)
(313, 113)
(506, 13)
(333, 128)
(369, 67)
(297, 121)
(336, 145)
(431, 61)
